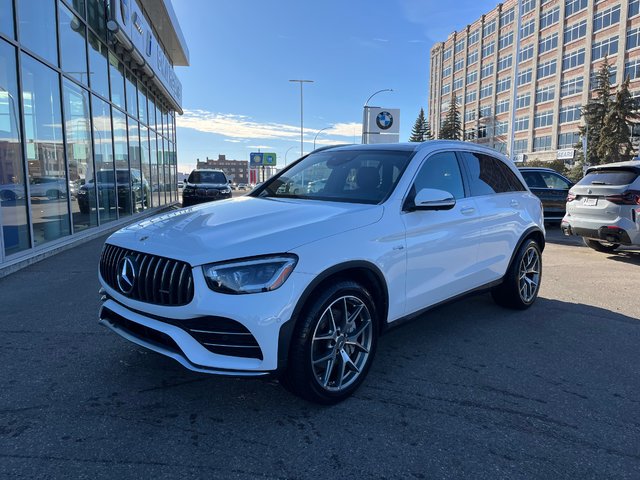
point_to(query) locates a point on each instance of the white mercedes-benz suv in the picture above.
(302, 284)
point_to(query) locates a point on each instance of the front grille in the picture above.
(159, 280)
(222, 336)
(140, 331)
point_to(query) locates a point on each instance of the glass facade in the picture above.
(84, 141)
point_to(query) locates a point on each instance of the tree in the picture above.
(451, 128)
(607, 119)
(421, 130)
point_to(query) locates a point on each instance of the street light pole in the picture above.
(365, 123)
(317, 133)
(285, 155)
(301, 114)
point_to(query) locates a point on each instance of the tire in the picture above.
(7, 196)
(329, 357)
(521, 284)
(598, 246)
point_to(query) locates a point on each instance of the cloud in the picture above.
(384, 40)
(260, 147)
(239, 128)
(235, 126)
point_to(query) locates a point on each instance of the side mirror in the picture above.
(433, 199)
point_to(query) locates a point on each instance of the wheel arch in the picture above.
(364, 272)
(532, 233)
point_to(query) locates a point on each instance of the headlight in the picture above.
(250, 276)
(82, 192)
(226, 190)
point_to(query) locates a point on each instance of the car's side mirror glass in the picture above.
(433, 199)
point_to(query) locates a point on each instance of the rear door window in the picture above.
(488, 175)
(609, 177)
(552, 180)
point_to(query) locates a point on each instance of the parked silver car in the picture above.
(604, 207)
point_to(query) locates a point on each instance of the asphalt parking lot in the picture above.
(468, 391)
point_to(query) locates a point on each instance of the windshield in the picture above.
(106, 176)
(357, 176)
(609, 177)
(202, 176)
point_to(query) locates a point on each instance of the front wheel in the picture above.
(521, 284)
(333, 344)
(598, 246)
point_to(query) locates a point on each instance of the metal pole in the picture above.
(365, 119)
(317, 133)
(301, 114)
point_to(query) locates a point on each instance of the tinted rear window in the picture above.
(609, 177)
(207, 177)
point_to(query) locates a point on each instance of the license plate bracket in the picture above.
(590, 201)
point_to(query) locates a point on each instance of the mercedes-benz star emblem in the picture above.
(126, 275)
(384, 120)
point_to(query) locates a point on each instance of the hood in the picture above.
(242, 227)
(206, 185)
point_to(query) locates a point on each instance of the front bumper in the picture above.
(263, 330)
(188, 200)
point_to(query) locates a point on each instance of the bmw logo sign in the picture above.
(384, 120)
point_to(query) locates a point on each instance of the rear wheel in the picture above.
(521, 283)
(333, 345)
(600, 246)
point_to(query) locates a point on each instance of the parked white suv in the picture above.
(302, 284)
(604, 207)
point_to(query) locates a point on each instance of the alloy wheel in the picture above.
(529, 274)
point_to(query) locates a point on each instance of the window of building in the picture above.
(505, 62)
(573, 59)
(548, 43)
(634, 8)
(42, 107)
(446, 54)
(489, 28)
(6, 19)
(116, 69)
(593, 80)
(132, 95)
(633, 38)
(446, 88)
(446, 71)
(486, 91)
(458, 65)
(73, 45)
(474, 37)
(484, 111)
(472, 57)
(488, 49)
(528, 28)
(527, 6)
(501, 128)
(98, 66)
(542, 144)
(604, 48)
(486, 71)
(522, 123)
(523, 100)
(543, 119)
(472, 77)
(520, 146)
(502, 106)
(505, 40)
(574, 6)
(460, 45)
(568, 140)
(545, 94)
(503, 85)
(570, 114)
(37, 30)
(575, 31)
(457, 83)
(571, 87)
(632, 69)
(471, 96)
(525, 76)
(507, 17)
(606, 18)
(549, 17)
(469, 115)
(526, 53)
(547, 69)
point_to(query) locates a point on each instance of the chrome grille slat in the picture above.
(159, 280)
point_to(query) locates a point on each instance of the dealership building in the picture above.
(88, 100)
(521, 77)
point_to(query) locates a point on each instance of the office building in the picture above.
(88, 99)
(236, 170)
(525, 75)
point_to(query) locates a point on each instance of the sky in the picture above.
(237, 97)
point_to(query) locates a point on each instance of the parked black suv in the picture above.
(205, 186)
(550, 187)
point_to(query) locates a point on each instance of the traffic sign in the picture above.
(256, 159)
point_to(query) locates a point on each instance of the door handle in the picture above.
(514, 203)
(467, 210)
